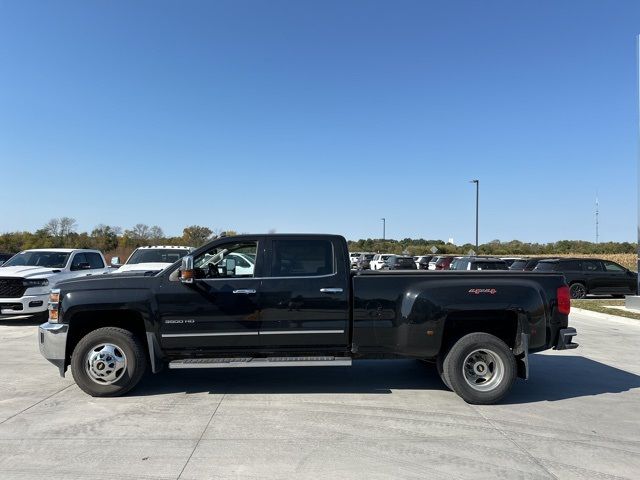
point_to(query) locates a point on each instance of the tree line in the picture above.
(62, 232)
(421, 246)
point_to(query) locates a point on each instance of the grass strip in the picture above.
(601, 307)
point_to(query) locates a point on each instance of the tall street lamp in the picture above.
(384, 226)
(477, 182)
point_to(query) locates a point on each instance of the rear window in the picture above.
(491, 266)
(592, 265)
(518, 265)
(368, 257)
(546, 266)
(405, 261)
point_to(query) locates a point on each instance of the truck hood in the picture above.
(109, 282)
(24, 271)
(143, 267)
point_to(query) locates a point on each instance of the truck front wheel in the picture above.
(108, 362)
(480, 368)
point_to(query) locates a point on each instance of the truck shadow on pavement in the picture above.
(553, 377)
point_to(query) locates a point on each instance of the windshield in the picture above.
(38, 259)
(157, 255)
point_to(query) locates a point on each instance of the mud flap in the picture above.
(522, 358)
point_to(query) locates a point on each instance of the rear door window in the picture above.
(592, 266)
(302, 258)
(570, 266)
(546, 266)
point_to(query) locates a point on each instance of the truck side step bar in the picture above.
(249, 362)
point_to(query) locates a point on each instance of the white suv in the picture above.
(378, 260)
(27, 277)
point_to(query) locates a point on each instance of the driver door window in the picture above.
(230, 260)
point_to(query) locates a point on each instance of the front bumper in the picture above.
(565, 335)
(52, 339)
(26, 305)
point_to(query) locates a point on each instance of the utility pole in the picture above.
(384, 227)
(477, 182)
(597, 213)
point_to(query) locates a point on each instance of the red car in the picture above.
(441, 262)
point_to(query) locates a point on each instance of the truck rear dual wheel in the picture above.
(108, 362)
(480, 368)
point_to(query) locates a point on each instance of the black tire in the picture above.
(127, 344)
(500, 366)
(578, 290)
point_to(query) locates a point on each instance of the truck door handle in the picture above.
(245, 291)
(331, 290)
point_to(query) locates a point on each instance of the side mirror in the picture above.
(81, 266)
(115, 262)
(187, 272)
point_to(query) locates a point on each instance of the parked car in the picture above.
(478, 263)
(27, 277)
(312, 312)
(509, 260)
(152, 258)
(441, 263)
(4, 257)
(592, 276)
(525, 264)
(353, 258)
(399, 262)
(378, 260)
(364, 261)
(422, 261)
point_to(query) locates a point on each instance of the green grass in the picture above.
(601, 306)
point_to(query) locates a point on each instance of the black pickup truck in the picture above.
(291, 300)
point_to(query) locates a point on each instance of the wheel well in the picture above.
(500, 323)
(85, 322)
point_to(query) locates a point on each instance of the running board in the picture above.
(249, 362)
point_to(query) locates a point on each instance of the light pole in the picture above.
(477, 182)
(384, 227)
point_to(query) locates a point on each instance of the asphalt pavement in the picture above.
(577, 417)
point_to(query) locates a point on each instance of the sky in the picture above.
(323, 116)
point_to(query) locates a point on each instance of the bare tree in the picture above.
(67, 225)
(52, 227)
(156, 233)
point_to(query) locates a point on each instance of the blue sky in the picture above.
(322, 116)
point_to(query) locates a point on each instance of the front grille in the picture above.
(11, 288)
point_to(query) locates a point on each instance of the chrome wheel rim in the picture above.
(483, 370)
(577, 291)
(106, 363)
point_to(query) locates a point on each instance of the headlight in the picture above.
(35, 282)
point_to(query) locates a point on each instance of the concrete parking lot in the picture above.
(577, 417)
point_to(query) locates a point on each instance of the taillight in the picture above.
(564, 300)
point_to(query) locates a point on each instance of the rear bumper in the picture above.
(564, 340)
(52, 339)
